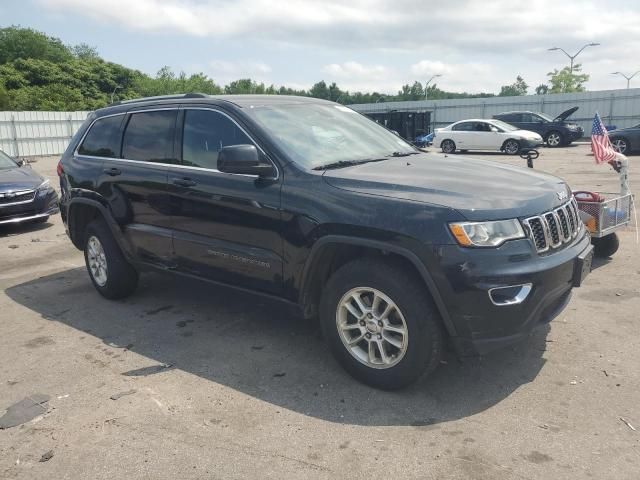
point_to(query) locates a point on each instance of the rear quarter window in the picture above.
(103, 138)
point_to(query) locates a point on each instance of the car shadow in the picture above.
(259, 347)
(19, 228)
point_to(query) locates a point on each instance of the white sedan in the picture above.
(485, 135)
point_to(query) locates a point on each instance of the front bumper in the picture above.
(529, 143)
(466, 276)
(40, 207)
(576, 134)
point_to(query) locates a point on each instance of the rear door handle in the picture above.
(114, 172)
(184, 182)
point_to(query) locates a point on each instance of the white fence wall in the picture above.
(29, 134)
(616, 107)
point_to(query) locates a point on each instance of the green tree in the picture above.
(84, 51)
(16, 42)
(519, 87)
(319, 90)
(542, 89)
(566, 81)
(4, 98)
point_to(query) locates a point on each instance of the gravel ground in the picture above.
(188, 380)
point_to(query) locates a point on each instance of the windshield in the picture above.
(504, 126)
(6, 162)
(546, 117)
(314, 135)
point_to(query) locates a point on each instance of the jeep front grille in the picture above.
(551, 230)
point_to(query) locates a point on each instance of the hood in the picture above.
(566, 114)
(19, 178)
(479, 190)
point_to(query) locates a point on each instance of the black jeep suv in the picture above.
(396, 251)
(556, 132)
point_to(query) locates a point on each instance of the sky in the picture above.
(375, 45)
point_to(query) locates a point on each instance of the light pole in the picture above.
(573, 57)
(114, 91)
(625, 76)
(426, 92)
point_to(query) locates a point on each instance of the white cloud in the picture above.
(475, 45)
(224, 71)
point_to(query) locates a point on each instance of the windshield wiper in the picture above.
(346, 163)
(402, 154)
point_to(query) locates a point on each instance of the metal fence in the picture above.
(29, 134)
(616, 107)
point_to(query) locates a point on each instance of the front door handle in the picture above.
(184, 182)
(113, 172)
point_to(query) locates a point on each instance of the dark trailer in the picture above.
(408, 124)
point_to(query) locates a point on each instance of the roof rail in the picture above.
(161, 97)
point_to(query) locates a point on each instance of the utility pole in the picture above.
(573, 57)
(627, 77)
(426, 92)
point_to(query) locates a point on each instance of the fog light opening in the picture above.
(510, 295)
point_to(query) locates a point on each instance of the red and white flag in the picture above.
(601, 146)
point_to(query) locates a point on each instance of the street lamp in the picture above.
(572, 57)
(426, 92)
(114, 91)
(625, 76)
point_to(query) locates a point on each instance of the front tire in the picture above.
(511, 147)
(620, 145)
(606, 246)
(554, 139)
(380, 324)
(111, 274)
(448, 146)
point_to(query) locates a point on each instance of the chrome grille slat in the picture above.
(552, 229)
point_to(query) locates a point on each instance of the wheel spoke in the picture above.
(392, 328)
(363, 308)
(350, 326)
(356, 339)
(353, 311)
(372, 353)
(388, 309)
(383, 353)
(393, 341)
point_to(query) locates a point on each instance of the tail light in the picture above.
(59, 168)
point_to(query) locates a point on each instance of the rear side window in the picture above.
(149, 136)
(103, 138)
(205, 133)
(511, 117)
(464, 127)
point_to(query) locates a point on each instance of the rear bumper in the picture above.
(481, 324)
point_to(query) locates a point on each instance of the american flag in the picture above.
(600, 144)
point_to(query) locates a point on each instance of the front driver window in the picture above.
(205, 133)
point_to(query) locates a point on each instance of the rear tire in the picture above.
(554, 139)
(112, 275)
(393, 350)
(448, 146)
(606, 246)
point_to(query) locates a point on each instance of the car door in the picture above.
(532, 122)
(462, 134)
(135, 184)
(485, 138)
(227, 227)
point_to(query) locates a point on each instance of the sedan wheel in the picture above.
(620, 145)
(512, 147)
(448, 146)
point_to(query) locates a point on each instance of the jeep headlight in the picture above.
(486, 234)
(44, 188)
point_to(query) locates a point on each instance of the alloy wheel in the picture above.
(619, 145)
(97, 261)
(511, 147)
(553, 140)
(372, 327)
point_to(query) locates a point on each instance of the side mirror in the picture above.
(21, 163)
(243, 159)
(494, 129)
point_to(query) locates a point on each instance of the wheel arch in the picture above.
(82, 211)
(329, 250)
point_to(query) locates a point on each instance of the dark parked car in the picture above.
(396, 251)
(556, 132)
(626, 140)
(25, 196)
